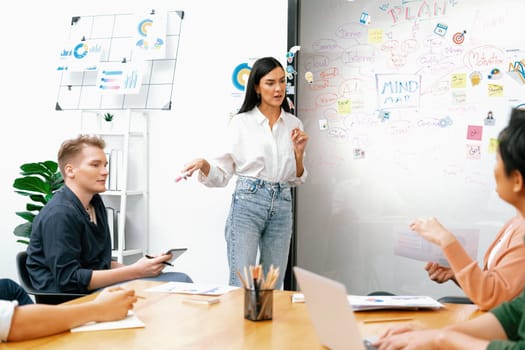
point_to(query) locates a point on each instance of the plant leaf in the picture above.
(56, 182)
(32, 183)
(24, 193)
(23, 230)
(51, 166)
(27, 215)
(35, 197)
(39, 182)
(33, 207)
(39, 168)
(39, 198)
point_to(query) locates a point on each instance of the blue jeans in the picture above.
(10, 290)
(162, 277)
(260, 219)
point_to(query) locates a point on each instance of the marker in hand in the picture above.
(182, 176)
(164, 262)
(294, 133)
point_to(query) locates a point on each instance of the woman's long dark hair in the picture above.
(260, 68)
(511, 143)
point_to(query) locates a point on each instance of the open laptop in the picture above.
(331, 314)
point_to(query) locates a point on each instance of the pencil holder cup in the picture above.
(258, 304)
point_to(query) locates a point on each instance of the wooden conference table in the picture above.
(173, 323)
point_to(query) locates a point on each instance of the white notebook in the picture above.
(130, 321)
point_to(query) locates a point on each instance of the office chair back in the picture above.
(40, 296)
(379, 292)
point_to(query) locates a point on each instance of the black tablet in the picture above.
(176, 252)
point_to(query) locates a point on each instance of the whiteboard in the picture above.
(406, 102)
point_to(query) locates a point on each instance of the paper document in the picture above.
(377, 302)
(411, 245)
(131, 321)
(192, 288)
(398, 302)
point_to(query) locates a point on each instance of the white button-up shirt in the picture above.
(7, 308)
(255, 150)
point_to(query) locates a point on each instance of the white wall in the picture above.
(216, 36)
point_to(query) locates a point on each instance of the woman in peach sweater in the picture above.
(504, 326)
(502, 276)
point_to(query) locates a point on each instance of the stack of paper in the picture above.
(392, 302)
(398, 302)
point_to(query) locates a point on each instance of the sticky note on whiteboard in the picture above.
(474, 132)
(375, 36)
(344, 106)
(493, 145)
(458, 80)
(495, 90)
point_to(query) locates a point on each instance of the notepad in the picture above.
(130, 321)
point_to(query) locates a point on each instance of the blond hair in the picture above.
(72, 148)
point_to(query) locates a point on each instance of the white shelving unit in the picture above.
(128, 132)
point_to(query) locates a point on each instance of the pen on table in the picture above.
(392, 319)
(164, 262)
(140, 296)
(208, 301)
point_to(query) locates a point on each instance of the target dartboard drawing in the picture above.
(459, 37)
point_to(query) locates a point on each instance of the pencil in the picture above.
(246, 277)
(392, 319)
(164, 262)
(242, 280)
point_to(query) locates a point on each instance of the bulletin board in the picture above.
(403, 112)
(78, 90)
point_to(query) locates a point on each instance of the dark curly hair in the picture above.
(511, 143)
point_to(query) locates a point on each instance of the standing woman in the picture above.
(266, 152)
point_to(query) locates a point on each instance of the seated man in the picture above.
(10, 290)
(37, 320)
(70, 245)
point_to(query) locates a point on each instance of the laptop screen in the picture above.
(329, 310)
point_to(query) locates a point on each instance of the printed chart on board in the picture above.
(119, 61)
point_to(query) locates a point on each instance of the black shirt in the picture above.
(65, 246)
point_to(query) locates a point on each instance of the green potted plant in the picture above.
(108, 117)
(39, 182)
(107, 122)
